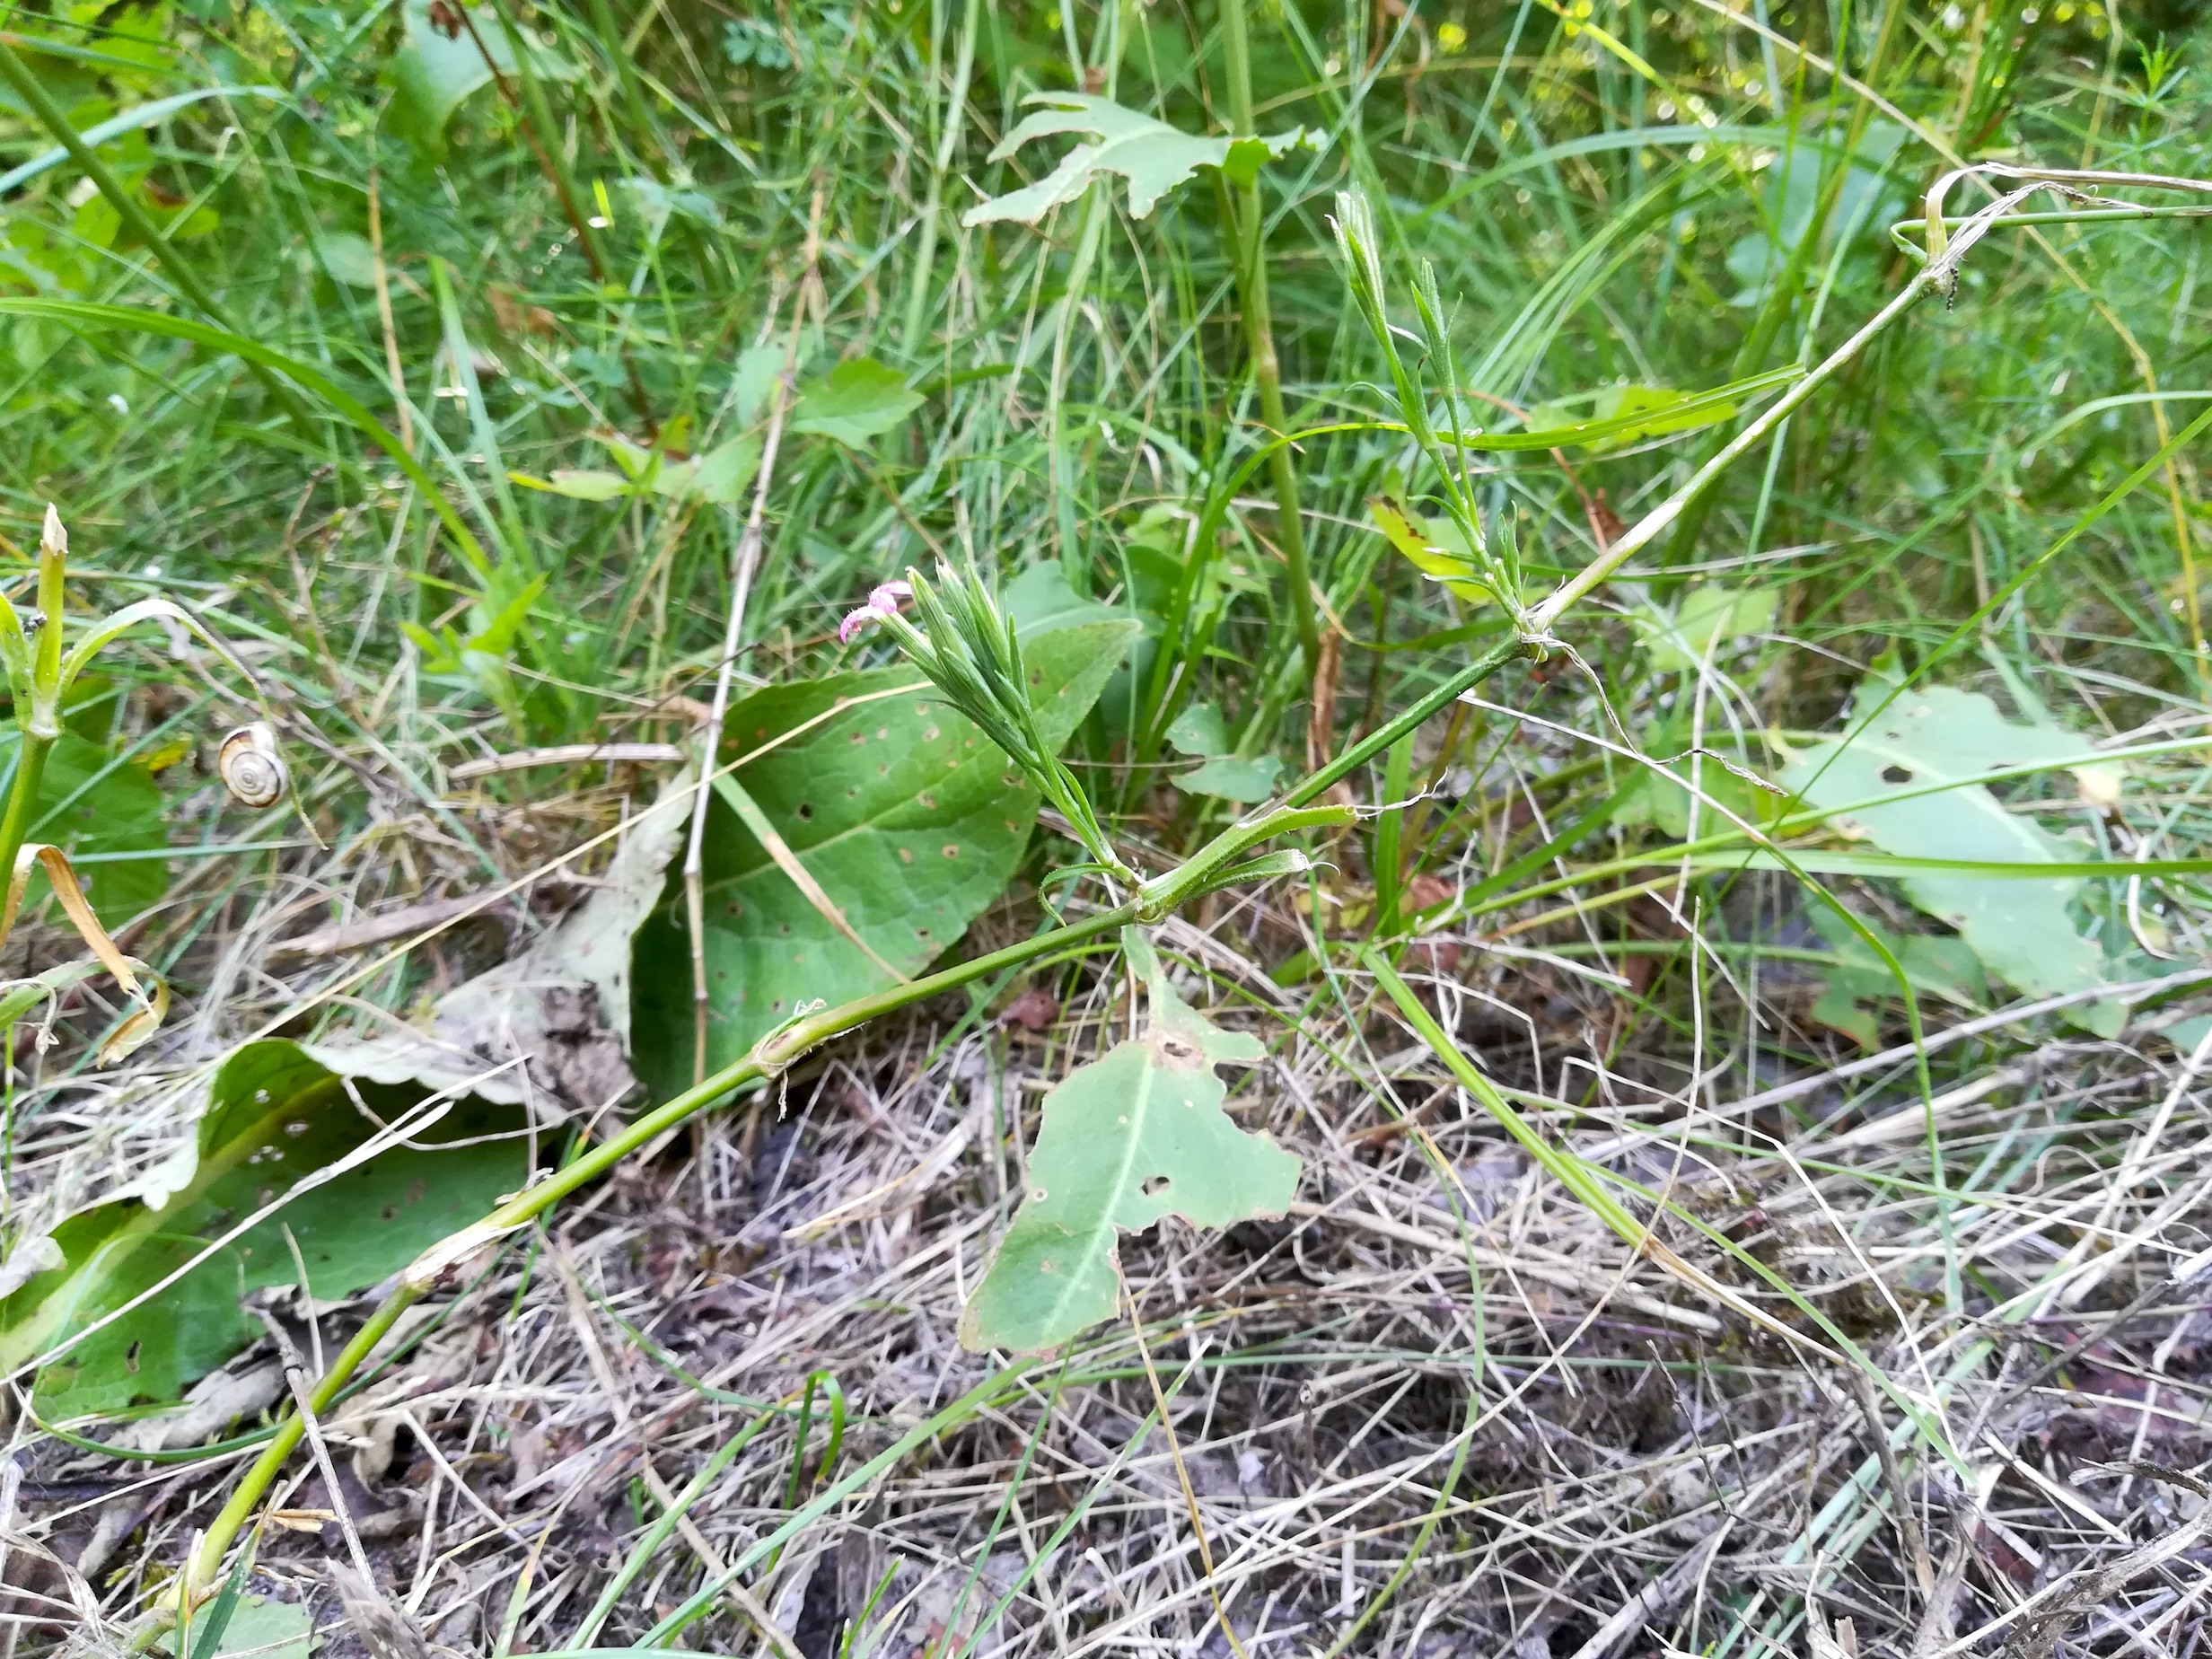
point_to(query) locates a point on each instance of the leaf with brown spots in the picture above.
(907, 818)
(1133, 1136)
(276, 1122)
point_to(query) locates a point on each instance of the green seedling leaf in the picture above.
(1437, 551)
(1152, 155)
(1709, 614)
(275, 1116)
(859, 400)
(1233, 777)
(908, 820)
(1198, 730)
(2022, 930)
(1936, 967)
(1132, 1137)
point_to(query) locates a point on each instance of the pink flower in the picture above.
(883, 603)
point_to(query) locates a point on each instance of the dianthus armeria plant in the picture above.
(1140, 1131)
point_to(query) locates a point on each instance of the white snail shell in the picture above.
(252, 769)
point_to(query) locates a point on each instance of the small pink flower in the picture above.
(883, 603)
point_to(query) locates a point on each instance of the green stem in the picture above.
(22, 801)
(1251, 281)
(772, 1055)
(179, 272)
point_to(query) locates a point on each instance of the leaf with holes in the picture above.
(2023, 930)
(1135, 1134)
(1152, 155)
(905, 817)
(276, 1121)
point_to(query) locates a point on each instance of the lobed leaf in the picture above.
(1153, 157)
(1133, 1136)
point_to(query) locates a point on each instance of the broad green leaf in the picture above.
(2023, 930)
(1936, 967)
(92, 803)
(1043, 598)
(1198, 730)
(258, 1627)
(1133, 1136)
(1706, 615)
(349, 258)
(859, 400)
(1437, 551)
(1233, 777)
(1152, 155)
(434, 71)
(723, 474)
(904, 815)
(275, 1115)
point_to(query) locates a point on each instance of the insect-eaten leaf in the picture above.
(1935, 966)
(276, 1119)
(1705, 621)
(1152, 155)
(1135, 1134)
(859, 400)
(2024, 931)
(905, 819)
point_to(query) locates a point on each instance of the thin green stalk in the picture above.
(1251, 281)
(178, 271)
(949, 123)
(22, 800)
(37, 692)
(774, 1054)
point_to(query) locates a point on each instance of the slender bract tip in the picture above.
(55, 539)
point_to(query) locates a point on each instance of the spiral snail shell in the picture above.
(252, 769)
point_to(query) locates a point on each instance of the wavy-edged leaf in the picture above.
(1152, 155)
(1135, 1134)
(907, 817)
